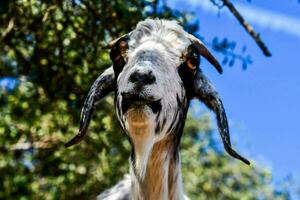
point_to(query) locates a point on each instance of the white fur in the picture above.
(163, 43)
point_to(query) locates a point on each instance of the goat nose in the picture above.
(142, 77)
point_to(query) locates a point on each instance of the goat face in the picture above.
(150, 92)
(155, 74)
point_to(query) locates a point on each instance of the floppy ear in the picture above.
(203, 51)
(205, 92)
(103, 85)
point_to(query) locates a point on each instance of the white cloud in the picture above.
(264, 18)
(269, 19)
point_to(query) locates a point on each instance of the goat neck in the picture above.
(162, 179)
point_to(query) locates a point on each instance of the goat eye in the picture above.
(123, 47)
(192, 64)
(119, 50)
(192, 57)
(118, 55)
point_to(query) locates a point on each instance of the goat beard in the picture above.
(138, 116)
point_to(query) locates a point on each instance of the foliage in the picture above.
(55, 50)
(211, 174)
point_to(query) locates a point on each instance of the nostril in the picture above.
(142, 77)
(134, 77)
(149, 78)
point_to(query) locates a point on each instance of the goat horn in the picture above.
(103, 85)
(206, 53)
(205, 92)
(111, 44)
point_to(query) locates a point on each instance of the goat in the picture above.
(154, 75)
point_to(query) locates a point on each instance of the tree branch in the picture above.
(9, 28)
(154, 8)
(46, 143)
(248, 27)
(45, 17)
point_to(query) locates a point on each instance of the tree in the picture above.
(54, 50)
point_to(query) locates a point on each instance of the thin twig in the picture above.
(45, 17)
(218, 4)
(248, 27)
(24, 146)
(9, 28)
(154, 8)
(46, 143)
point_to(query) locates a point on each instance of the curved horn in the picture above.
(111, 44)
(103, 85)
(205, 92)
(206, 53)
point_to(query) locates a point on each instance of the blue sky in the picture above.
(262, 103)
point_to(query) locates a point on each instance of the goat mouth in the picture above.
(138, 101)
